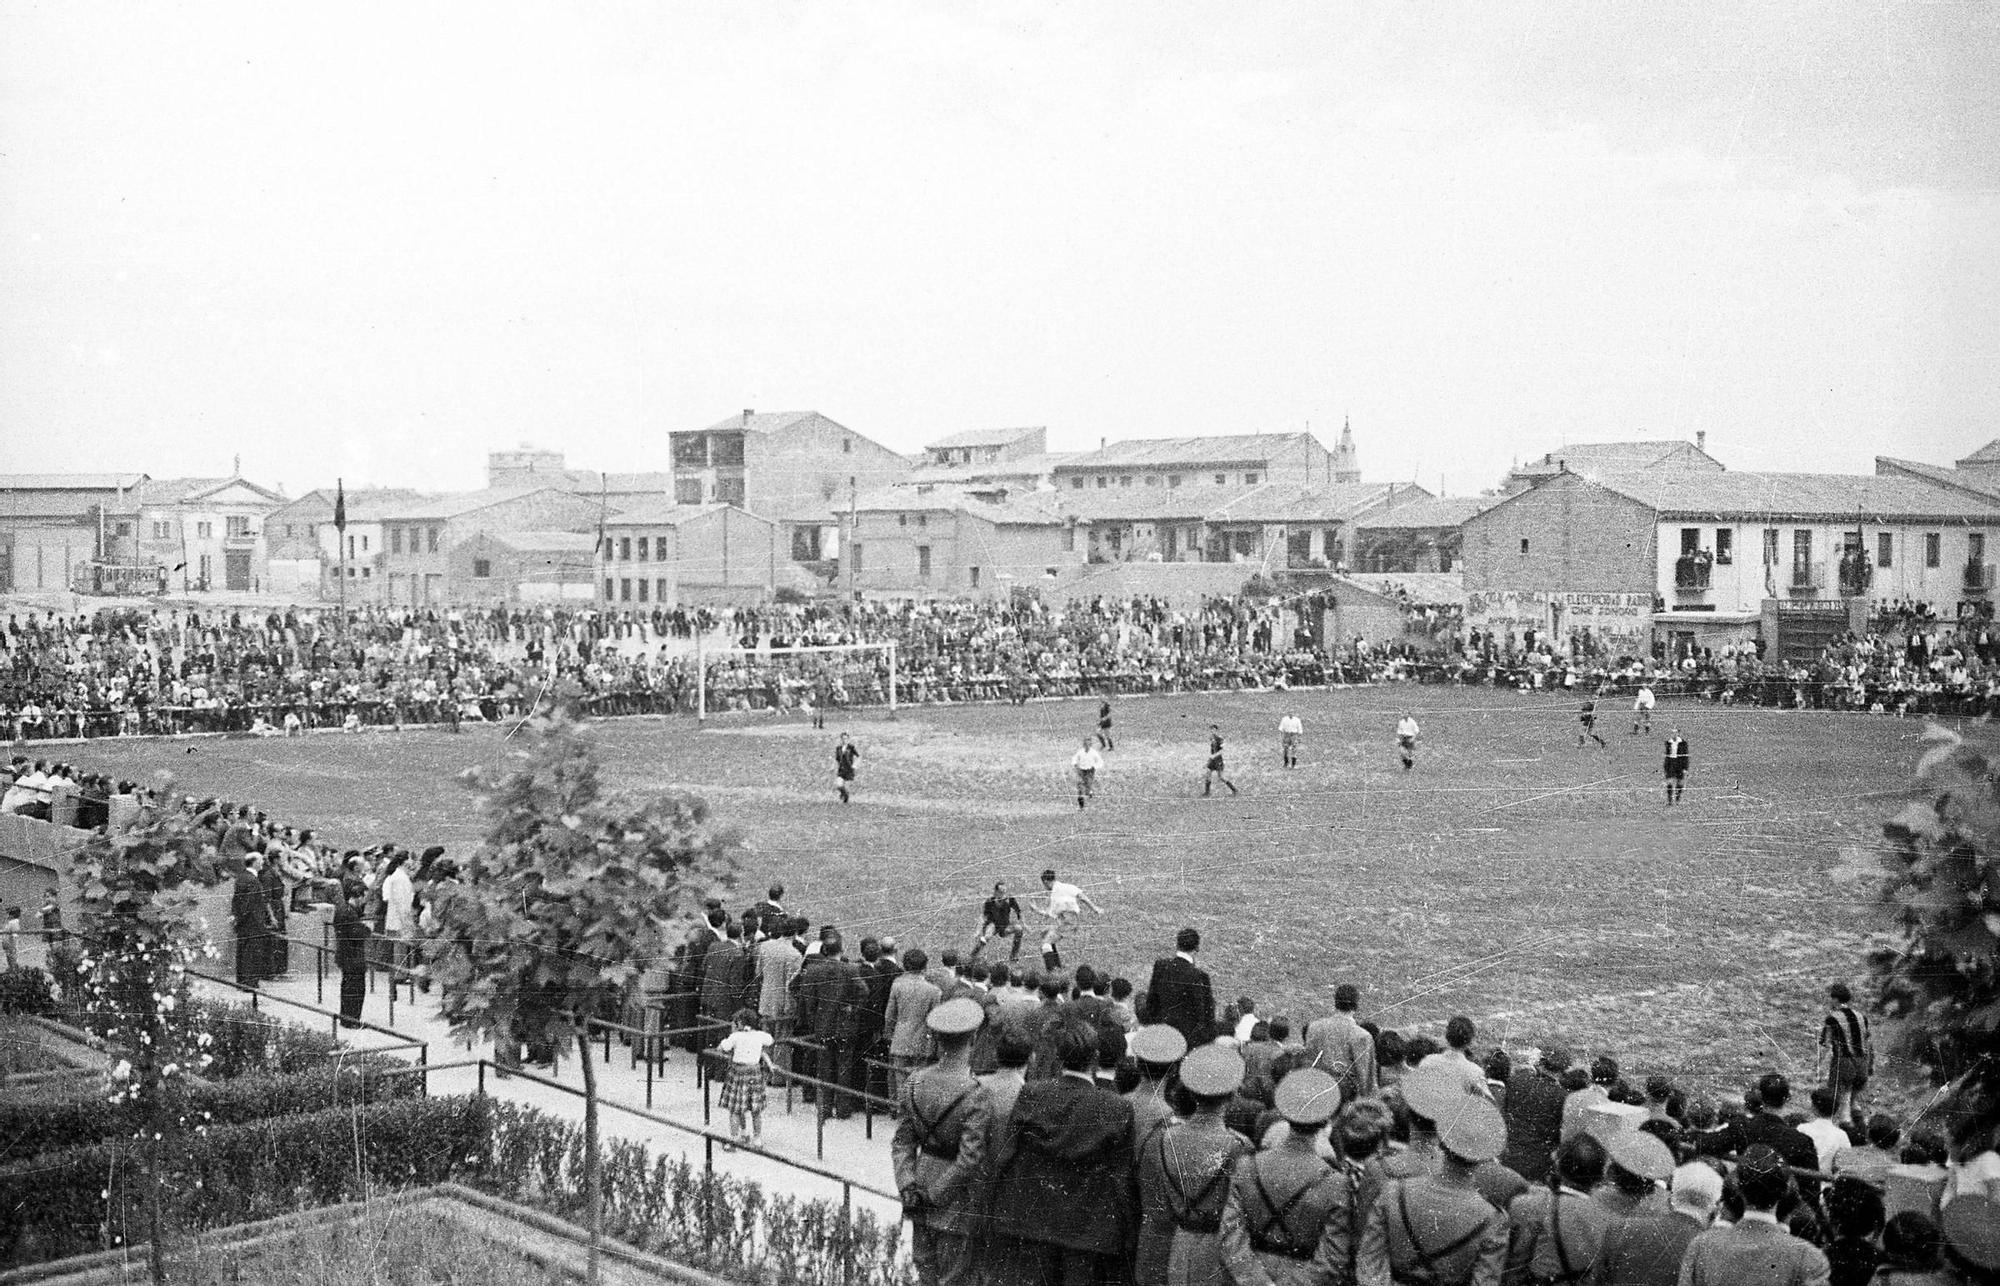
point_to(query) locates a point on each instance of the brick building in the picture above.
(793, 467)
(957, 542)
(663, 554)
(517, 568)
(1425, 534)
(303, 550)
(418, 537)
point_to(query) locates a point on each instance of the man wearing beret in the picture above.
(1184, 1173)
(1062, 1190)
(1438, 1229)
(1756, 1250)
(1289, 1218)
(939, 1148)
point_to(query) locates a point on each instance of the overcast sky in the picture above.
(378, 241)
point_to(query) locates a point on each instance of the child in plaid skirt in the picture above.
(748, 1048)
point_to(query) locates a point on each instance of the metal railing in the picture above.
(399, 1039)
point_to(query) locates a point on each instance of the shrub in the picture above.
(31, 1129)
(87, 1198)
(65, 965)
(246, 1041)
(27, 990)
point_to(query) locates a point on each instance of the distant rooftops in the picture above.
(1618, 457)
(1238, 448)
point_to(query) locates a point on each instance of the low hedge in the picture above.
(31, 1129)
(27, 990)
(94, 1197)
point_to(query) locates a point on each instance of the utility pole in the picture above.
(853, 530)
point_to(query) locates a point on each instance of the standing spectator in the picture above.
(1755, 1250)
(1829, 1140)
(273, 883)
(1854, 1216)
(1769, 1127)
(1179, 994)
(939, 1149)
(1340, 1045)
(1185, 1171)
(399, 911)
(1456, 1058)
(1061, 1208)
(350, 951)
(725, 982)
(1848, 1049)
(248, 914)
(1288, 1218)
(777, 966)
(1646, 1250)
(10, 937)
(831, 993)
(906, 1020)
(1438, 1228)
(53, 933)
(1873, 1160)
(1558, 1230)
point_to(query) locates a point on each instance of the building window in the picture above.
(1770, 546)
(625, 590)
(204, 530)
(163, 530)
(854, 555)
(125, 529)
(1124, 479)
(1885, 544)
(1076, 484)
(923, 520)
(1524, 544)
(1802, 557)
(642, 555)
(923, 562)
(642, 589)
(1069, 539)
(624, 549)
(609, 588)
(482, 568)
(350, 547)
(847, 446)
(1173, 480)
(1725, 546)
(1250, 479)
(236, 526)
(395, 540)
(364, 573)
(1102, 482)
(974, 574)
(687, 491)
(1690, 539)
(1975, 548)
(1221, 479)
(351, 573)
(1933, 549)
(902, 520)
(364, 544)
(660, 594)
(433, 541)
(805, 544)
(1152, 479)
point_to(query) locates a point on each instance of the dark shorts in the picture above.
(1215, 763)
(1676, 771)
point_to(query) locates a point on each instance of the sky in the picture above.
(375, 242)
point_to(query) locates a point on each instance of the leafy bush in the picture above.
(27, 990)
(31, 1129)
(65, 965)
(87, 1198)
(247, 1042)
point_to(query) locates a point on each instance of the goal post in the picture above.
(796, 659)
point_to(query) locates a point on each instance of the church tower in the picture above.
(1346, 465)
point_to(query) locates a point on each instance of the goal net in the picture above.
(837, 676)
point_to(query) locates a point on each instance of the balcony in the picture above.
(1978, 578)
(1692, 571)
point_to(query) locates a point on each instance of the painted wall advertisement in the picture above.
(1621, 623)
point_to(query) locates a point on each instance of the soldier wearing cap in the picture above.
(1639, 1164)
(940, 1149)
(1558, 1230)
(1438, 1229)
(1289, 1218)
(1435, 1093)
(1157, 1050)
(1184, 1172)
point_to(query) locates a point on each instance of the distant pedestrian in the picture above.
(1642, 710)
(1407, 733)
(844, 755)
(1289, 732)
(1215, 771)
(1104, 726)
(350, 950)
(1675, 764)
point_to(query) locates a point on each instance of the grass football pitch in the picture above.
(1543, 888)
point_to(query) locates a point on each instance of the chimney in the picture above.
(1701, 439)
(747, 413)
(1101, 442)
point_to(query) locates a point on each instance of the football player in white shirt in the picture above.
(1406, 740)
(1642, 709)
(1085, 763)
(1064, 909)
(1289, 732)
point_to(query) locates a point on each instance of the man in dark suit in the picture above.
(1769, 1127)
(250, 914)
(1534, 1114)
(1756, 1248)
(350, 951)
(1179, 994)
(831, 994)
(1063, 1197)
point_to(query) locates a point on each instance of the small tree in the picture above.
(140, 922)
(1943, 982)
(572, 894)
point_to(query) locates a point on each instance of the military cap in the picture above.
(1972, 1230)
(1308, 1096)
(1212, 1071)
(1158, 1043)
(1473, 1131)
(1642, 1153)
(1431, 1092)
(956, 1017)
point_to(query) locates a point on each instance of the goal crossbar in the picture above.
(703, 653)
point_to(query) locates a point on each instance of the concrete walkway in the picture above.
(850, 1154)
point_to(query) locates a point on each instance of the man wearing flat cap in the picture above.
(1438, 1229)
(1185, 1173)
(1289, 1218)
(939, 1148)
(1756, 1250)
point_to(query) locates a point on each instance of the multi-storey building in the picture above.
(416, 565)
(958, 542)
(1165, 465)
(52, 524)
(306, 554)
(208, 533)
(660, 554)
